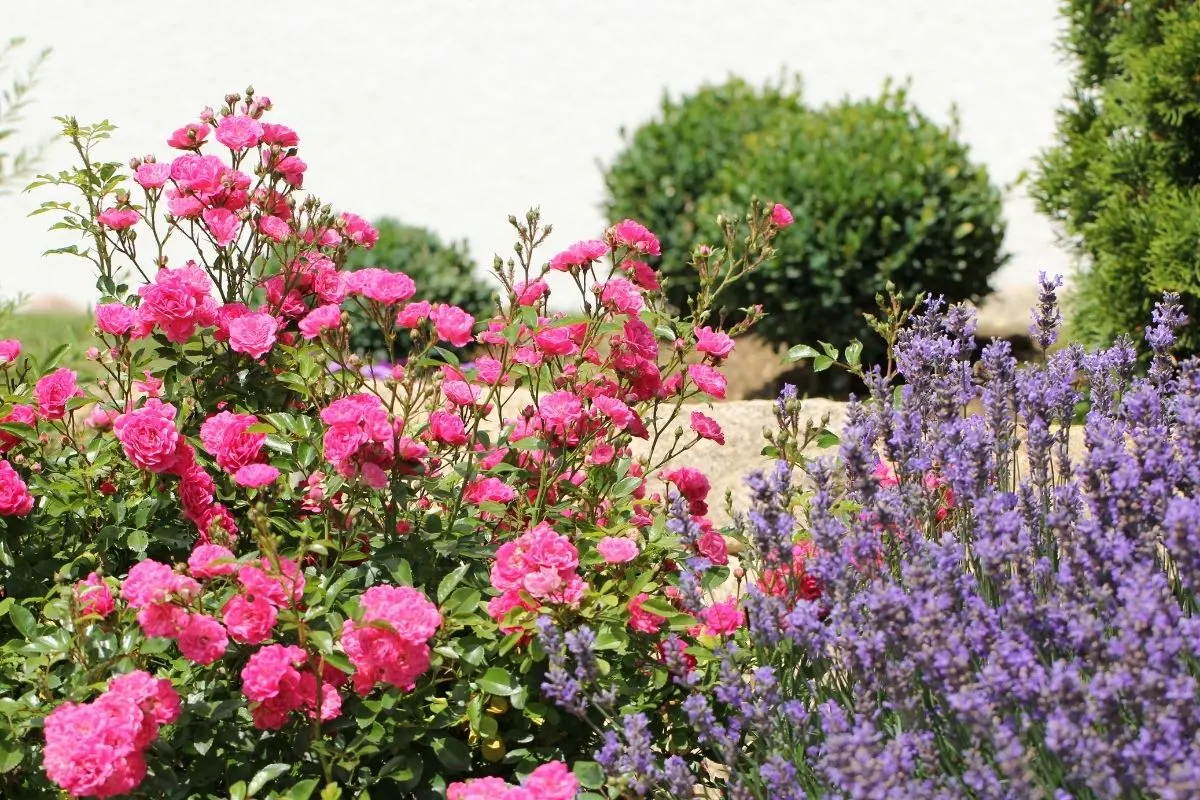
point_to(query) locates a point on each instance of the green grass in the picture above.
(41, 332)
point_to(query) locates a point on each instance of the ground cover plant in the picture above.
(233, 566)
(958, 605)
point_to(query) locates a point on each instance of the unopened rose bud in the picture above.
(35, 467)
(207, 114)
(739, 573)
(93, 353)
(704, 251)
(134, 163)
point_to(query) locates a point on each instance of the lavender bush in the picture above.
(958, 605)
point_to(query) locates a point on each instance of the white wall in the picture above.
(455, 114)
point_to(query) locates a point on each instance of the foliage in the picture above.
(446, 273)
(231, 570)
(879, 192)
(13, 101)
(1121, 182)
(43, 332)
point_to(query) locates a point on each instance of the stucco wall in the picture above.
(455, 114)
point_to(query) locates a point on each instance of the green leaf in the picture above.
(448, 583)
(453, 754)
(801, 352)
(238, 791)
(625, 487)
(656, 605)
(138, 541)
(10, 759)
(589, 774)
(854, 353)
(302, 790)
(265, 775)
(24, 621)
(822, 363)
(497, 681)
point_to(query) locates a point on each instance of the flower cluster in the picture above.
(537, 567)
(551, 781)
(390, 643)
(97, 749)
(277, 680)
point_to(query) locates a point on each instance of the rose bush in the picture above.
(240, 565)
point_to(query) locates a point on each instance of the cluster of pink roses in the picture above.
(391, 641)
(361, 440)
(278, 680)
(97, 749)
(539, 566)
(551, 781)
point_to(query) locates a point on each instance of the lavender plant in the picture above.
(962, 603)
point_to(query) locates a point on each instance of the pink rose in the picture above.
(621, 295)
(560, 408)
(708, 380)
(118, 218)
(202, 639)
(249, 620)
(256, 476)
(209, 561)
(578, 255)
(635, 236)
(359, 231)
(274, 228)
(551, 781)
(93, 597)
(412, 314)
(381, 285)
(447, 428)
(321, 318)
(53, 391)
(10, 350)
(642, 620)
(707, 428)
(239, 132)
(453, 324)
(117, 319)
(149, 437)
(529, 294)
(781, 216)
(282, 135)
(722, 618)
(642, 273)
(713, 547)
(21, 414)
(489, 490)
(100, 418)
(253, 334)
(715, 343)
(178, 302)
(152, 174)
(222, 224)
(188, 137)
(15, 499)
(617, 549)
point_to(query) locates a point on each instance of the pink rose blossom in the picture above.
(10, 350)
(715, 343)
(256, 476)
(274, 228)
(622, 416)
(560, 409)
(253, 334)
(189, 136)
(321, 318)
(617, 549)
(781, 216)
(488, 369)
(642, 620)
(52, 393)
(359, 231)
(642, 273)
(383, 286)
(118, 218)
(15, 499)
(579, 254)
(222, 224)
(238, 132)
(621, 295)
(447, 428)
(453, 325)
(708, 379)
(412, 315)
(692, 484)
(209, 561)
(282, 135)
(152, 174)
(635, 236)
(489, 490)
(178, 302)
(93, 597)
(202, 639)
(117, 319)
(712, 546)
(707, 428)
(722, 618)
(529, 294)
(100, 418)
(149, 437)
(249, 620)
